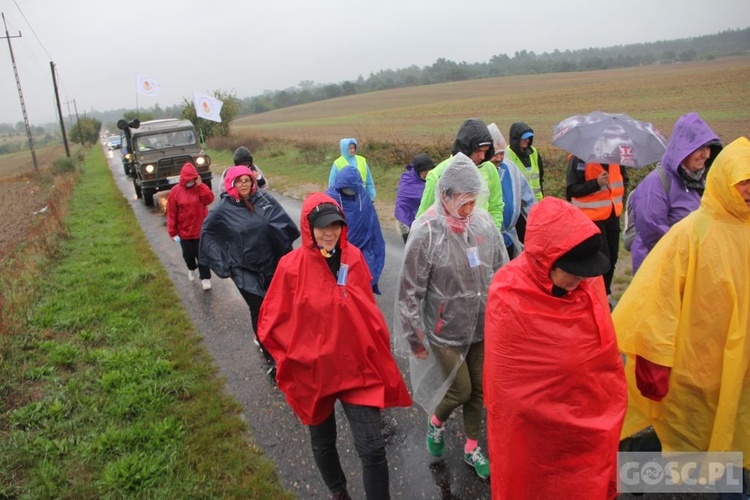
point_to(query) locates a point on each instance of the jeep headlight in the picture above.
(200, 161)
(149, 169)
(128, 156)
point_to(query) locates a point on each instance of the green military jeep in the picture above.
(159, 150)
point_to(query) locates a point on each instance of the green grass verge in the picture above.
(109, 392)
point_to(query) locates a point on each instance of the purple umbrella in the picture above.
(610, 138)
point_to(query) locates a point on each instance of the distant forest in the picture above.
(724, 44)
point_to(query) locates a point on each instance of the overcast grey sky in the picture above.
(252, 46)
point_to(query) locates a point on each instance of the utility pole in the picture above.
(20, 94)
(59, 110)
(78, 121)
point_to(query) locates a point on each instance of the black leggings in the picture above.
(190, 256)
(254, 302)
(367, 428)
(610, 229)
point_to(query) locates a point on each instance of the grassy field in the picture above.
(16, 165)
(393, 125)
(718, 90)
(106, 390)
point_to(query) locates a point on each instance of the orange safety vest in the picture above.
(598, 205)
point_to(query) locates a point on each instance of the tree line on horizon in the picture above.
(707, 47)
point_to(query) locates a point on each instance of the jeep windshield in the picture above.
(165, 140)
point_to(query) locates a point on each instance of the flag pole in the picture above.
(137, 109)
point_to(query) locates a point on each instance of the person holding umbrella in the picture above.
(658, 205)
(599, 190)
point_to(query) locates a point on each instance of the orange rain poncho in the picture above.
(688, 308)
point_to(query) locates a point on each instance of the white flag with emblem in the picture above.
(147, 86)
(207, 107)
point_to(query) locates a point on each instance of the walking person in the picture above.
(684, 322)
(664, 198)
(243, 238)
(349, 157)
(409, 191)
(599, 190)
(362, 224)
(526, 157)
(473, 140)
(529, 162)
(554, 383)
(451, 254)
(518, 198)
(243, 156)
(187, 207)
(321, 323)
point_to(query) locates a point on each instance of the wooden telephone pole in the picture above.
(20, 94)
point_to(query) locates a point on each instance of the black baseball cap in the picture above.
(325, 214)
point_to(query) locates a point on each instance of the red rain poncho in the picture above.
(329, 341)
(554, 385)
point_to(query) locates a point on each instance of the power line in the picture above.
(32, 29)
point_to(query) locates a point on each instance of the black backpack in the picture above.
(628, 231)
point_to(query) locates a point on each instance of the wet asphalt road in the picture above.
(223, 320)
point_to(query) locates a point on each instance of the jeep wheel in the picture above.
(137, 188)
(148, 197)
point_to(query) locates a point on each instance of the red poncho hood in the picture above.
(329, 341)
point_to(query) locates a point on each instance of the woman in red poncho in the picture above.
(554, 385)
(321, 323)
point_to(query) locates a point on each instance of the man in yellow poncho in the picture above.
(684, 322)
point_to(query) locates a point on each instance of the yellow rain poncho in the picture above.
(688, 308)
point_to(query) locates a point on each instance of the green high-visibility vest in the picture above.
(342, 162)
(532, 174)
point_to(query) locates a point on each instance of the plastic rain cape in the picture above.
(448, 264)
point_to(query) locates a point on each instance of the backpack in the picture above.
(628, 231)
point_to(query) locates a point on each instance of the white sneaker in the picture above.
(206, 284)
(191, 274)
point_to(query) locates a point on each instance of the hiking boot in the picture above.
(435, 441)
(206, 284)
(480, 463)
(192, 273)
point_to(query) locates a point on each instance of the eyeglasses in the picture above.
(243, 181)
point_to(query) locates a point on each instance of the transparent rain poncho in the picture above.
(448, 264)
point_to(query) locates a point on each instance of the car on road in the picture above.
(113, 142)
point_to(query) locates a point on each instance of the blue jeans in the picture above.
(367, 428)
